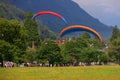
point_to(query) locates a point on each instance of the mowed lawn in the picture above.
(61, 73)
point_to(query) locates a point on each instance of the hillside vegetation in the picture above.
(10, 12)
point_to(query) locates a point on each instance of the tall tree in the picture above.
(86, 35)
(72, 50)
(31, 27)
(8, 52)
(50, 51)
(114, 50)
(36, 30)
(31, 55)
(115, 33)
(4, 47)
(13, 32)
(89, 55)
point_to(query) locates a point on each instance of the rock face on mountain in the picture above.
(71, 11)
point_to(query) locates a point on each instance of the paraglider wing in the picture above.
(48, 12)
(75, 28)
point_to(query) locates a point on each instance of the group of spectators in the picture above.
(9, 64)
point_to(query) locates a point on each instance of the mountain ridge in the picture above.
(72, 12)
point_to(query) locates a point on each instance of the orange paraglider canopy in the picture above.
(75, 28)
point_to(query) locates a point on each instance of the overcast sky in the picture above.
(107, 11)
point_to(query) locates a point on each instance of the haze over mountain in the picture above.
(71, 11)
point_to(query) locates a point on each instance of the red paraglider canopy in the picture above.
(49, 12)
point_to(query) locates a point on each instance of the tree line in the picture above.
(16, 38)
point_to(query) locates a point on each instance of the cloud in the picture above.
(108, 11)
(111, 6)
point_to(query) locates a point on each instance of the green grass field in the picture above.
(61, 73)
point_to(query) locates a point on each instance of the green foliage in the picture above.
(86, 35)
(13, 32)
(19, 38)
(70, 51)
(89, 55)
(49, 51)
(9, 52)
(31, 55)
(13, 40)
(103, 57)
(114, 50)
(115, 33)
(4, 49)
(37, 31)
(82, 42)
(31, 27)
(80, 50)
(45, 32)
